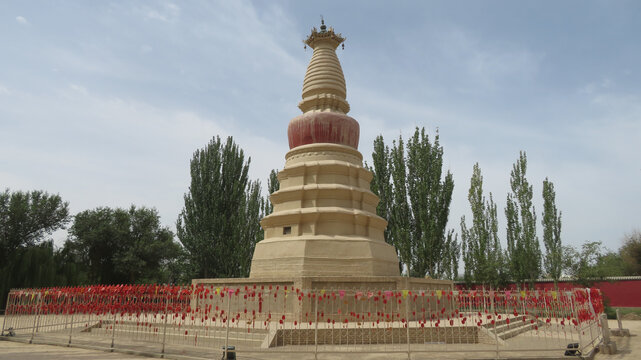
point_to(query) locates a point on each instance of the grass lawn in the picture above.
(611, 311)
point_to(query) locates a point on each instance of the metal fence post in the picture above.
(113, 324)
(407, 324)
(6, 306)
(164, 330)
(228, 321)
(90, 313)
(574, 316)
(496, 338)
(38, 322)
(316, 329)
(33, 330)
(596, 319)
(71, 325)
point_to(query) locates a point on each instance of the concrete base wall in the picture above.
(311, 283)
(366, 336)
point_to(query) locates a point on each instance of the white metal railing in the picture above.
(201, 321)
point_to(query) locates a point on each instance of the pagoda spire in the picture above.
(324, 85)
(324, 221)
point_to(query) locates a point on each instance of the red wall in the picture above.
(623, 293)
(620, 293)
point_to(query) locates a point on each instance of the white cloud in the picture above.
(124, 128)
(246, 32)
(486, 65)
(167, 12)
(21, 20)
(108, 151)
(597, 86)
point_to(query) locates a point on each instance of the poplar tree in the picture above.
(415, 199)
(273, 185)
(482, 252)
(400, 213)
(250, 230)
(429, 195)
(523, 250)
(451, 256)
(218, 225)
(381, 185)
(551, 221)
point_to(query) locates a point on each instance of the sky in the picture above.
(105, 102)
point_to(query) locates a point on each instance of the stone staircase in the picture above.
(189, 334)
(503, 331)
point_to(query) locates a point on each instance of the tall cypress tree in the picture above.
(523, 248)
(551, 222)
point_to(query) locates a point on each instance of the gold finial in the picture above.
(324, 36)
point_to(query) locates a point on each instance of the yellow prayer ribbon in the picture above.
(405, 292)
(439, 293)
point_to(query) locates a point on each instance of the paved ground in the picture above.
(629, 349)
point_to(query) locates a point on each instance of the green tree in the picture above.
(273, 185)
(43, 265)
(611, 264)
(430, 195)
(482, 253)
(399, 221)
(551, 222)
(27, 219)
(381, 182)
(415, 199)
(451, 256)
(524, 252)
(631, 253)
(591, 264)
(251, 232)
(122, 246)
(218, 225)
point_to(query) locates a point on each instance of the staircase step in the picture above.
(516, 331)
